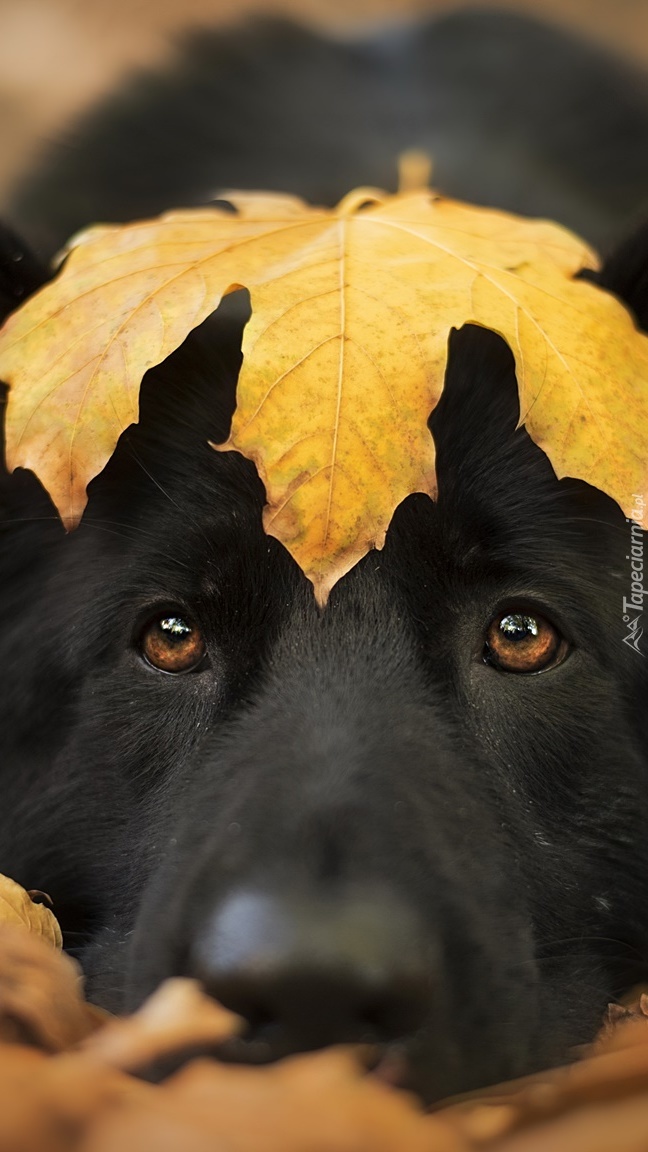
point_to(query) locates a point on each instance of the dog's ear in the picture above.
(21, 273)
(626, 274)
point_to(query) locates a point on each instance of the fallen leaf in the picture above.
(17, 907)
(620, 1126)
(48, 1103)
(320, 1102)
(178, 1017)
(344, 356)
(41, 994)
(84, 1099)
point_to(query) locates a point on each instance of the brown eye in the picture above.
(523, 642)
(172, 644)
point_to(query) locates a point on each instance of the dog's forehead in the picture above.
(197, 513)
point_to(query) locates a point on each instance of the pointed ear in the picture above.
(21, 273)
(626, 274)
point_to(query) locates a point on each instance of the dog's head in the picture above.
(415, 818)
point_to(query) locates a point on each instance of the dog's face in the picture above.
(416, 818)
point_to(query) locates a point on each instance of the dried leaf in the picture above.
(82, 1100)
(41, 994)
(17, 907)
(178, 1017)
(344, 357)
(47, 1104)
(322, 1102)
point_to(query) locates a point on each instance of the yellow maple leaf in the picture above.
(344, 355)
(17, 907)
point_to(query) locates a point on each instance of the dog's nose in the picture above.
(310, 972)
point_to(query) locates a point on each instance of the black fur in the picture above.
(358, 767)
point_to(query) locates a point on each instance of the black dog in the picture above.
(418, 817)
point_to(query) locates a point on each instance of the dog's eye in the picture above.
(172, 644)
(523, 642)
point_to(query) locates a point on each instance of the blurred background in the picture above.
(57, 56)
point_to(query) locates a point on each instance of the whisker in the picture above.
(593, 520)
(625, 945)
(192, 519)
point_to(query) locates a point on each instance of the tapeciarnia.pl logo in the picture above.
(633, 604)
